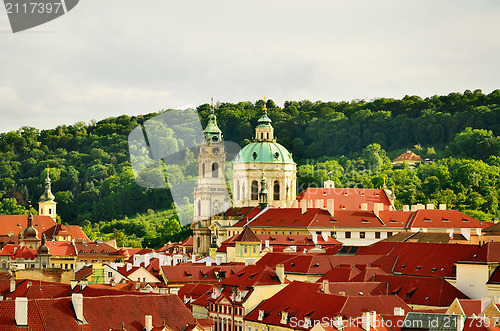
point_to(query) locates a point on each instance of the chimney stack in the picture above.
(430, 206)
(330, 206)
(413, 208)
(442, 206)
(77, 301)
(193, 260)
(218, 259)
(21, 312)
(73, 283)
(303, 205)
(364, 206)
(325, 287)
(398, 311)
(148, 323)
(377, 207)
(12, 285)
(406, 208)
(366, 320)
(280, 272)
(267, 243)
(318, 203)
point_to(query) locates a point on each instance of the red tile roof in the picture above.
(299, 300)
(77, 233)
(347, 198)
(93, 248)
(421, 290)
(14, 224)
(101, 313)
(489, 252)
(470, 307)
(19, 252)
(193, 273)
(408, 156)
(435, 218)
(358, 288)
(247, 235)
(252, 276)
(61, 248)
(423, 259)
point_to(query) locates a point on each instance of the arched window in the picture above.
(215, 170)
(255, 190)
(268, 136)
(276, 195)
(262, 135)
(203, 170)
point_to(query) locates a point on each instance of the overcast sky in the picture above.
(113, 57)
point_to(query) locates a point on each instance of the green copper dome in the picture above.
(264, 152)
(264, 121)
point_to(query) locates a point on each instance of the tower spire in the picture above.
(212, 132)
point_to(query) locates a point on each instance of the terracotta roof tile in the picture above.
(347, 198)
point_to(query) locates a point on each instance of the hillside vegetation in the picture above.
(349, 142)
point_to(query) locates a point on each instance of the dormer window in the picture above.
(284, 317)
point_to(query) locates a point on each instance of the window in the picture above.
(50, 210)
(389, 234)
(276, 195)
(362, 235)
(199, 207)
(377, 235)
(245, 249)
(255, 190)
(255, 249)
(215, 170)
(110, 274)
(268, 135)
(348, 234)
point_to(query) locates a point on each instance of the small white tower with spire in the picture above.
(47, 205)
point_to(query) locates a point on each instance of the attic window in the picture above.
(365, 221)
(292, 264)
(434, 269)
(82, 251)
(465, 220)
(403, 266)
(203, 274)
(394, 221)
(427, 220)
(410, 293)
(345, 193)
(419, 267)
(316, 264)
(396, 291)
(334, 220)
(426, 298)
(362, 194)
(187, 274)
(445, 220)
(105, 252)
(92, 251)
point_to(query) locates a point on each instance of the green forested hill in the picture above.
(92, 178)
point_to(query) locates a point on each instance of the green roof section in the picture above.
(212, 131)
(264, 152)
(264, 121)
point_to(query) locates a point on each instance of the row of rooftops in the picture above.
(323, 218)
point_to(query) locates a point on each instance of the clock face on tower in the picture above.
(216, 150)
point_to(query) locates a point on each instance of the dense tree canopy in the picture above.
(349, 142)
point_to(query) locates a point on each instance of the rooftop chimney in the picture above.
(406, 208)
(330, 206)
(267, 243)
(193, 257)
(77, 301)
(315, 238)
(310, 203)
(303, 205)
(366, 320)
(377, 207)
(413, 208)
(208, 263)
(364, 206)
(420, 206)
(318, 203)
(12, 285)
(325, 287)
(398, 311)
(129, 266)
(21, 312)
(249, 261)
(73, 283)
(218, 259)
(148, 323)
(280, 272)
(442, 206)
(430, 206)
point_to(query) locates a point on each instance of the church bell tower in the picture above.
(211, 197)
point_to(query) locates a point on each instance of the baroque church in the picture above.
(264, 173)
